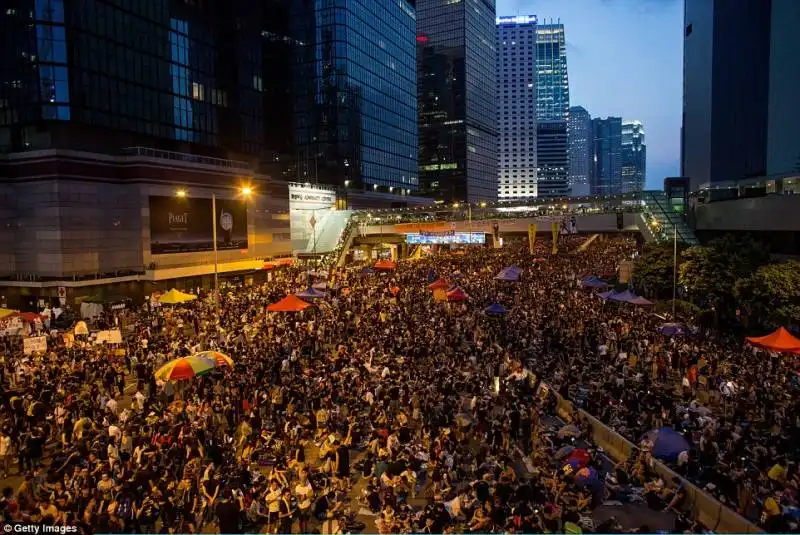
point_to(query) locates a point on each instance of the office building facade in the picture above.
(741, 115)
(581, 138)
(516, 107)
(552, 111)
(634, 157)
(456, 95)
(355, 90)
(607, 156)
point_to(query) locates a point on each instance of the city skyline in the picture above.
(630, 85)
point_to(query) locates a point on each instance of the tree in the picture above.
(652, 273)
(771, 296)
(709, 274)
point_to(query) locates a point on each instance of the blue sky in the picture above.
(624, 58)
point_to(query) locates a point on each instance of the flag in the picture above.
(531, 236)
(555, 228)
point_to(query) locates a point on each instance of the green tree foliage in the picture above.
(709, 274)
(771, 295)
(652, 273)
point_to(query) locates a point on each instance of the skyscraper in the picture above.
(457, 121)
(607, 156)
(581, 139)
(634, 157)
(355, 86)
(741, 114)
(516, 106)
(552, 111)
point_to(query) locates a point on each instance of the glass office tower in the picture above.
(355, 107)
(607, 157)
(457, 89)
(581, 138)
(634, 157)
(149, 72)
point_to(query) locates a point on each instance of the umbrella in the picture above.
(593, 282)
(508, 274)
(563, 452)
(569, 431)
(672, 329)
(184, 368)
(495, 309)
(667, 443)
(219, 359)
(440, 283)
(578, 458)
(588, 477)
(457, 294)
(539, 260)
(311, 293)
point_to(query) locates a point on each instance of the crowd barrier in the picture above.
(704, 507)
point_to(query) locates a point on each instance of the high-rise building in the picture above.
(581, 139)
(457, 108)
(183, 76)
(552, 114)
(741, 114)
(634, 157)
(516, 107)
(607, 156)
(355, 86)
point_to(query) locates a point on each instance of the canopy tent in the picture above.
(175, 297)
(322, 286)
(290, 303)
(510, 274)
(593, 282)
(672, 329)
(269, 265)
(27, 317)
(496, 308)
(622, 297)
(640, 301)
(105, 298)
(667, 444)
(781, 340)
(311, 293)
(6, 312)
(285, 261)
(457, 294)
(440, 283)
(385, 264)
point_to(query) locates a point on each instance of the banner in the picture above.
(556, 227)
(531, 236)
(36, 344)
(183, 224)
(114, 336)
(625, 272)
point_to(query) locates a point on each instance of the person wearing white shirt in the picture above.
(112, 405)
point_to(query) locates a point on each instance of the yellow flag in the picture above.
(531, 235)
(556, 228)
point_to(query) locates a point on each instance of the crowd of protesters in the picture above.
(382, 408)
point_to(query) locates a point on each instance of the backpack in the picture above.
(125, 508)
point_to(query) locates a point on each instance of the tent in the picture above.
(441, 283)
(290, 303)
(322, 286)
(457, 294)
(28, 317)
(385, 264)
(510, 274)
(269, 265)
(311, 293)
(667, 443)
(640, 301)
(672, 329)
(174, 297)
(781, 340)
(6, 312)
(593, 282)
(285, 261)
(622, 297)
(496, 308)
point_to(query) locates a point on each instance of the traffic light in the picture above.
(620, 222)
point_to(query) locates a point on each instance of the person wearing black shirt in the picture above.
(285, 512)
(228, 513)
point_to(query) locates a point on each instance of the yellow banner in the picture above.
(531, 236)
(555, 227)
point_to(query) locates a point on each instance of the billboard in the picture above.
(183, 225)
(446, 237)
(309, 207)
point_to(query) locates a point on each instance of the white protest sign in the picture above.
(35, 344)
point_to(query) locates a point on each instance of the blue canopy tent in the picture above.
(496, 308)
(667, 443)
(593, 282)
(310, 293)
(507, 275)
(622, 297)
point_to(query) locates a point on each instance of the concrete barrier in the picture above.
(704, 507)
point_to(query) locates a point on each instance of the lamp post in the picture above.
(674, 267)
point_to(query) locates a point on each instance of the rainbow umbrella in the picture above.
(219, 359)
(184, 368)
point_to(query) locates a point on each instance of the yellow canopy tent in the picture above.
(175, 297)
(7, 312)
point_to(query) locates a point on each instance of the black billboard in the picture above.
(183, 225)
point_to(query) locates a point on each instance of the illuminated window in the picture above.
(198, 91)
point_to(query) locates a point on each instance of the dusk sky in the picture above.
(624, 58)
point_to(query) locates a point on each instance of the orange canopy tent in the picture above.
(289, 303)
(269, 265)
(780, 340)
(384, 264)
(457, 294)
(285, 261)
(439, 284)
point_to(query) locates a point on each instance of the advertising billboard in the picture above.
(460, 238)
(183, 225)
(309, 207)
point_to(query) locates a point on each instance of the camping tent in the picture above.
(311, 293)
(174, 297)
(781, 340)
(457, 294)
(440, 283)
(495, 308)
(385, 264)
(290, 303)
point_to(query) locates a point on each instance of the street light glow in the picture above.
(483, 204)
(247, 191)
(181, 193)
(455, 205)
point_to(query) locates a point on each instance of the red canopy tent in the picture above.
(457, 294)
(384, 264)
(27, 317)
(780, 340)
(269, 265)
(289, 303)
(285, 261)
(439, 284)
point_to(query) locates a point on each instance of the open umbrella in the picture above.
(578, 458)
(457, 294)
(672, 329)
(440, 283)
(184, 368)
(496, 308)
(569, 431)
(219, 359)
(667, 443)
